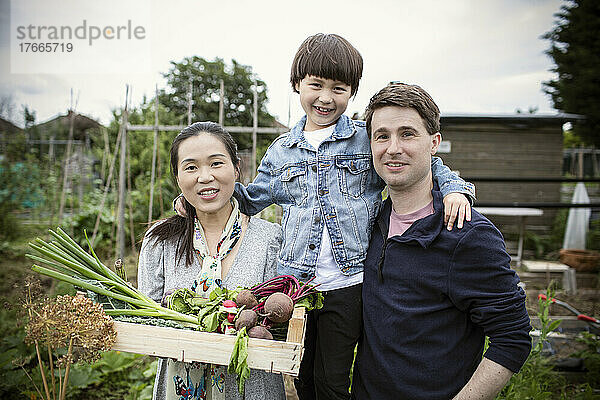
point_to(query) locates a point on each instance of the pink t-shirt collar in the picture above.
(399, 223)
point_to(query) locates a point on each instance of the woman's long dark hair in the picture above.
(177, 226)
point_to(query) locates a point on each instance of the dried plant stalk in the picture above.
(67, 321)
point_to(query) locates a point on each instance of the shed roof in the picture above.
(81, 122)
(7, 126)
(527, 119)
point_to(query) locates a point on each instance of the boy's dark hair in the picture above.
(404, 95)
(328, 56)
(183, 227)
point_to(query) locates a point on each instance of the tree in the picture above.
(172, 110)
(205, 77)
(7, 107)
(575, 49)
(28, 117)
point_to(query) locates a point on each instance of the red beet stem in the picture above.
(266, 283)
(302, 296)
(259, 306)
(306, 289)
(305, 285)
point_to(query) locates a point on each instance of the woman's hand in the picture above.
(179, 208)
(456, 209)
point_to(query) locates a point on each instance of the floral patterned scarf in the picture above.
(200, 381)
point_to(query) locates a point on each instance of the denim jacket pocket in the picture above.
(293, 179)
(352, 174)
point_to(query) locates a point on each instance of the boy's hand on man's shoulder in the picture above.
(457, 209)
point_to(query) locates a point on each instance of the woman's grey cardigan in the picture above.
(256, 261)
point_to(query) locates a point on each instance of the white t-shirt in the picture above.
(316, 137)
(328, 273)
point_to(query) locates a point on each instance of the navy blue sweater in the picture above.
(430, 297)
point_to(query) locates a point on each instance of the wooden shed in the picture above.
(56, 132)
(508, 146)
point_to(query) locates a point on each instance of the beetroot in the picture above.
(229, 304)
(279, 307)
(260, 332)
(246, 298)
(246, 318)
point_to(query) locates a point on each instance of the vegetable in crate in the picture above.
(277, 298)
(68, 262)
(238, 363)
(246, 298)
(279, 307)
(246, 319)
(260, 332)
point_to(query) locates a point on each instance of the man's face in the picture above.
(402, 147)
(323, 101)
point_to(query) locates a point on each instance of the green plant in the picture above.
(85, 220)
(70, 263)
(591, 357)
(19, 189)
(117, 376)
(133, 381)
(537, 379)
(593, 239)
(543, 245)
(17, 360)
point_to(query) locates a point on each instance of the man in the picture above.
(431, 296)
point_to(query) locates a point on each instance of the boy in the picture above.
(321, 174)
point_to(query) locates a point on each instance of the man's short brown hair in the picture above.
(404, 95)
(328, 56)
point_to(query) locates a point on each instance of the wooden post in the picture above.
(51, 147)
(129, 200)
(105, 154)
(154, 150)
(66, 163)
(520, 244)
(254, 129)
(190, 103)
(159, 173)
(580, 158)
(221, 102)
(80, 182)
(120, 253)
(108, 183)
(42, 138)
(71, 201)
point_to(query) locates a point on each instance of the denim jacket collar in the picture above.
(344, 128)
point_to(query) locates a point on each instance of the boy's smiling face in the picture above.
(323, 100)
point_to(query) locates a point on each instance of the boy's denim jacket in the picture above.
(335, 185)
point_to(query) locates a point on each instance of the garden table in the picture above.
(521, 213)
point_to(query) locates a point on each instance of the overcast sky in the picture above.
(472, 56)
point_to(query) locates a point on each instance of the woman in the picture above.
(214, 245)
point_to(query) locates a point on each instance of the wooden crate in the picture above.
(215, 348)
